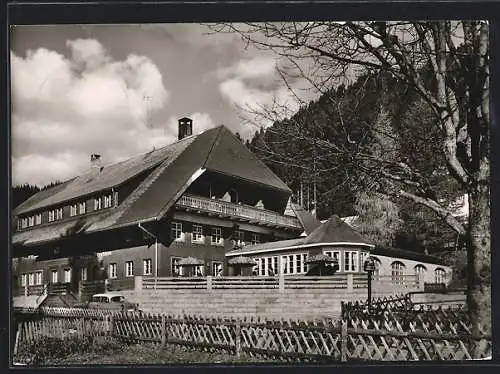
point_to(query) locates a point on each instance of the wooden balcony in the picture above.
(224, 209)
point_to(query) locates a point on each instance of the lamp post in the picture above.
(369, 267)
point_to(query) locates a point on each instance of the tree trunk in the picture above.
(479, 261)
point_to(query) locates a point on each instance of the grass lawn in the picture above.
(142, 354)
(99, 351)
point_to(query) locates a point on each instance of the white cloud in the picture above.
(256, 67)
(254, 87)
(64, 109)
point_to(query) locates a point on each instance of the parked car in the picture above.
(111, 301)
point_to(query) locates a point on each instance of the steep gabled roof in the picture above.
(171, 170)
(111, 176)
(230, 156)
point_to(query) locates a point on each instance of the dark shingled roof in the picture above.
(332, 231)
(171, 170)
(409, 255)
(335, 231)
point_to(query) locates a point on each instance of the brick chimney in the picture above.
(95, 161)
(185, 127)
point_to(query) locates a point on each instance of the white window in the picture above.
(59, 213)
(147, 266)
(351, 261)
(217, 236)
(397, 272)
(260, 266)
(129, 268)
(335, 255)
(67, 275)
(174, 266)
(38, 277)
(24, 223)
(52, 215)
(73, 210)
(82, 207)
(439, 275)
(83, 274)
(255, 238)
(31, 221)
(54, 276)
(305, 267)
(271, 265)
(239, 237)
(198, 233)
(298, 264)
(199, 271)
(285, 266)
(31, 279)
(22, 279)
(420, 270)
(97, 203)
(108, 201)
(176, 231)
(288, 264)
(274, 265)
(112, 271)
(38, 219)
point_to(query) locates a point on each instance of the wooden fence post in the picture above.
(18, 336)
(238, 337)
(163, 331)
(350, 283)
(80, 289)
(138, 284)
(209, 283)
(343, 342)
(281, 282)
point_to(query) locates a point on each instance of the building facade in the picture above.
(198, 197)
(338, 240)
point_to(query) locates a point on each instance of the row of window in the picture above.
(147, 268)
(290, 264)
(350, 262)
(101, 202)
(216, 238)
(398, 271)
(36, 278)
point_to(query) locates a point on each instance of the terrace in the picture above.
(237, 212)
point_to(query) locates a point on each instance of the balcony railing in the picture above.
(237, 211)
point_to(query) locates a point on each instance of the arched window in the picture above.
(420, 270)
(376, 272)
(439, 275)
(398, 271)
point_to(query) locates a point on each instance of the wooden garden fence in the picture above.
(355, 339)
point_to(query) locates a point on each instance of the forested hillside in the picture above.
(329, 143)
(25, 191)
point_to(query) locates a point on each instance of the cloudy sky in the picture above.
(119, 90)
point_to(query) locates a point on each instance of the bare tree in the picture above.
(447, 64)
